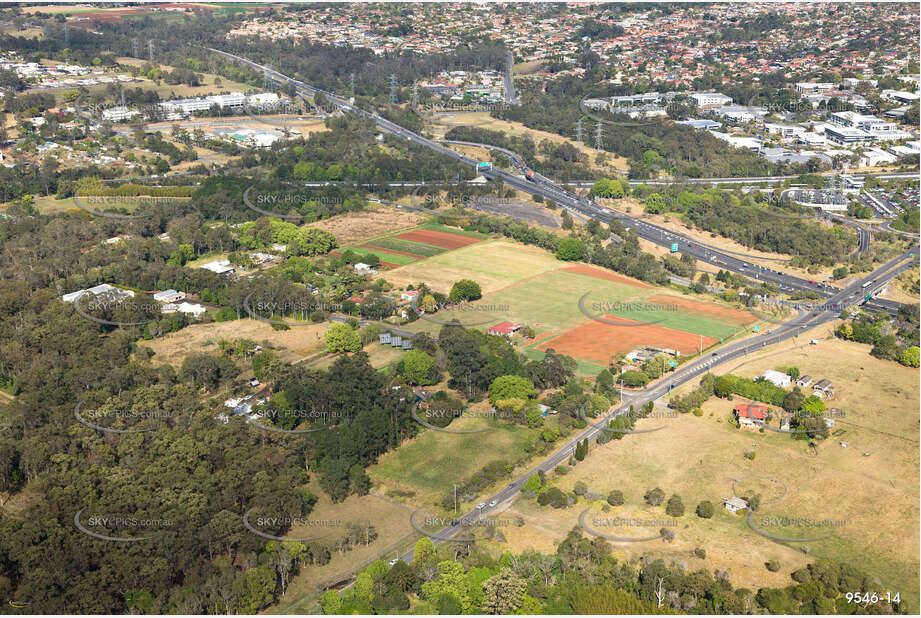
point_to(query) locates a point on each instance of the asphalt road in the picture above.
(683, 375)
(853, 294)
(586, 208)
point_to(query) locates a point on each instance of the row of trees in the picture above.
(582, 577)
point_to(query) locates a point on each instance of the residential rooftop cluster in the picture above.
(670, 44)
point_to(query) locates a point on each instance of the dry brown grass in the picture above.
(443, 124)
(389, 519)
(494, 264)
(294, 344)
(353, 227)
(876, 495)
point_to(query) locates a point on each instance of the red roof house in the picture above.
(503, 329)
(751, 413)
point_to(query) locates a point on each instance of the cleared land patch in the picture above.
(606, 274)
(296, 343)
(494, 264)
(352, 227)
(712, 309)
(598, 342)
(444, 240)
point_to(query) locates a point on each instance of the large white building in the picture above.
(862, 122)
(813, 87)
(119, 114)
(709, 99)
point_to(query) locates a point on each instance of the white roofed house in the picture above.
(220, 267)
(734, 505)
(168, 296)
(99, 290)
(194, 309)
(776, 378)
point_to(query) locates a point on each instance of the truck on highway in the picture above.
(674, 247)
(529, 174)
(483, 166)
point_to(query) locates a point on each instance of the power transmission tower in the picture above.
(266, 79)
(579, 131)
(66, 34)
(352, 84)
(393, 88)
(150, 50)
(415, 94)
(134, 47)
(599, 137)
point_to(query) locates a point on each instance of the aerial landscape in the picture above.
(460, 308)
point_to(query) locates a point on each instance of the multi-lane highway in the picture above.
(584, 207)
(853, 294)
(687, 373)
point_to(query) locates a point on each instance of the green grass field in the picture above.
(391, 258)
(549, 303)
(432, 461)
(453, 230)
(407, 246)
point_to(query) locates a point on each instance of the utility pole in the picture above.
(579, 131)
(599, 137)
(455, 498)
(393, 88)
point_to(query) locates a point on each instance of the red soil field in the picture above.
(439, 239)
(604, 274)
(737, 316)
(597, 342)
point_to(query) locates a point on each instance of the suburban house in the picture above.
(734, 505)
(751, 414)
(409, 295)
(503, 329)
(168, 296)
(243, 405)
(776, 378)
(804, 381)
(195, 309)
(220, 267)
(98, 290)
(823, 388)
